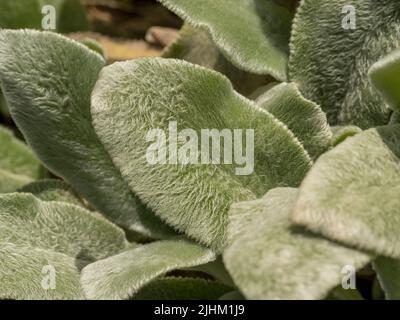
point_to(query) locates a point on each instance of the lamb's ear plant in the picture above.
(320, 101)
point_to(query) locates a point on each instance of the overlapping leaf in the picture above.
(268, 259)
(48, 80)
(252, 34)
(141, 95)
(330, 62)
(123, 275)
(351, 193)
(196, 46)
(35, 234)
(303, 117)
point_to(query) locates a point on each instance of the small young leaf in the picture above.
(385, 75)
(330, 59)
(48, 80)
(52, 190)
(170, 288)
(148, 94)
(252, 34)
(269, 259)
(303, 117)
(388, 273)
(196, 46)
(350, 195)
(123, 275)
(341, 133)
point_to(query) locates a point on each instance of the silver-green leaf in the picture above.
(330, 60)
(269, 259)
(48, 80)
(144, 95)
(252, 34)
(123, 275)
(350, 194)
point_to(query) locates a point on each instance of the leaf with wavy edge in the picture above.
(350, 194)
(268, 259)
(252, 34)
(196, 46)
(330, 64)
(303, 117)
(140, 95)
(48, 80)
(123, 275)
(385, 76)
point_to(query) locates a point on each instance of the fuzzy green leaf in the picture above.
(303, 117)
(48, 80)
(170, 288)
(10, 182)
(140, 95)
(23, 270)
(35, 234)
(268, 259)
(385, 75)
(252, 34)
(330, 63)
(123, 275)
(196, 46)
(58, 226)
(350, 195)
(388, 273)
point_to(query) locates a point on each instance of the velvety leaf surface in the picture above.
(170, 288)
(48, 80)
(21, 274)
(57, 226)
(252, 34)
(350, 194)
(52, 190)
(330, 63)
(123, 275)
(388, 273)
(385, 75)
(145, 94)
(196, 46)
(303, 117)
(269, 259)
